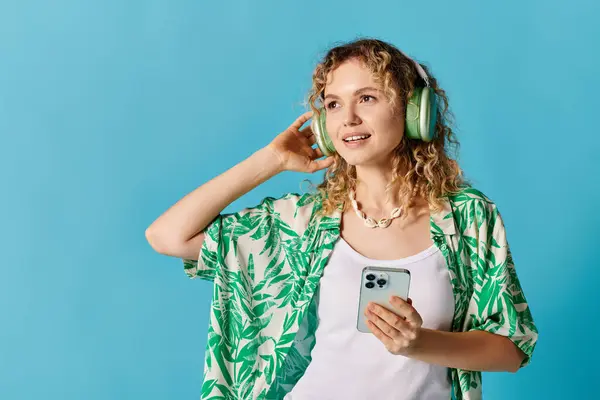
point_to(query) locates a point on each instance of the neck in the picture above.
(371, 191)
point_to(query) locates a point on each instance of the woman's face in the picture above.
(362, 124)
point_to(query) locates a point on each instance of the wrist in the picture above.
(271, 159)
(420, 342)
(269, 162)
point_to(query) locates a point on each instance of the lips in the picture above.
(355, 137)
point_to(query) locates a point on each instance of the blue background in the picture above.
(111, 111)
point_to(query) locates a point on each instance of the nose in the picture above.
(351, 117)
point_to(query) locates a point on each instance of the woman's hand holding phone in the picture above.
(398, 331)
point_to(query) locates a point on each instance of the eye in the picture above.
(332, 104)
(367, 95)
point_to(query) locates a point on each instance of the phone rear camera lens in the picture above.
(370, 277)
(370, 285)
(381, 282)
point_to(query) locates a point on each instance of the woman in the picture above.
(287, 272)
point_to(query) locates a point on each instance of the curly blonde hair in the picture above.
(431, 172)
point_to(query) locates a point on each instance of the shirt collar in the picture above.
(442, 222)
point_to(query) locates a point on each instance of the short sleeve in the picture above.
(501, 305)
(206, 265)
(243, 232)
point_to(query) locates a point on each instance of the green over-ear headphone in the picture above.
(421, 114)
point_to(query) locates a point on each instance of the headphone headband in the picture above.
(420, 69)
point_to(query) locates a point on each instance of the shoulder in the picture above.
(291, 203)
(285, 213)
(469, 194)
(473, 209)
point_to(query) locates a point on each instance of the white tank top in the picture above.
(347, 364)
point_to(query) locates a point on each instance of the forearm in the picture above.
(196, 210)
(473, 351)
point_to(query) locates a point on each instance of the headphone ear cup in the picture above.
(321, 136)
(412, 115)
(421, 114)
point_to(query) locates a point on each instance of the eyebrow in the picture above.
(357, 92)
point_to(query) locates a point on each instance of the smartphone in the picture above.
(377, 285)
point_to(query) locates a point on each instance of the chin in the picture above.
(359, 158)
(368, 159)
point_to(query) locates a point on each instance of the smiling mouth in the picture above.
(356, 138)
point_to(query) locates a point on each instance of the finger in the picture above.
(385, 339)
(383, 325)
(406, 310)
(301, 120)
(392, 319)
(317, 165)
(317, 153)
(307, 132)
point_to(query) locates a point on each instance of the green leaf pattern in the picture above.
(265, 263)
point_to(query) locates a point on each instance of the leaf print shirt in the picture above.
(266, 262)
